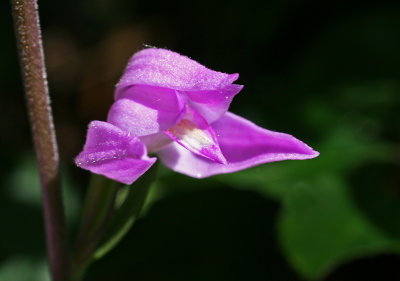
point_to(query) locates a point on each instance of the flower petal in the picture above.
(210, 91)
(213, 104)
(243, 144)
(194, 134)
(144, 110)
(113, 153)
(167, 69)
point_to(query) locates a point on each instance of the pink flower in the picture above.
(172, 106)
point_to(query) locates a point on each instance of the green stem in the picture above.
(26, 21)
(97, 212)
(105, 222)
(127, 213)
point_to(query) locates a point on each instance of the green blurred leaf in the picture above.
(320, 227)
(23, 185)
(22, 268)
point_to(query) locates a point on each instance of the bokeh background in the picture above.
(326, 72)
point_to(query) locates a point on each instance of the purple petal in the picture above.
(145, 110)
(243, 144)
(166, 69)
(113, 153)
(194, 134)
(213, 104)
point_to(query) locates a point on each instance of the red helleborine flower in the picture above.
(170, 105)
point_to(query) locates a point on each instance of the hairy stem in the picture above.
(29, 42)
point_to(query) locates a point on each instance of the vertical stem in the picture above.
(29, 42)
(97, 213)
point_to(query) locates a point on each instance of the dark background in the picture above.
(326, 72)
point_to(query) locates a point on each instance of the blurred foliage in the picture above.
(329, 76)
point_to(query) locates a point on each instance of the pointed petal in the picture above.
(113, 153)
(243, 144)
(213, 104)
(194, 134)
(210, 91)
(145, 110)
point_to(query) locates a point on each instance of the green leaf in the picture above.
(24, 268)
(320, 226)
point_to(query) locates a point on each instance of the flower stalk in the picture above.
(110, 211)
(97, 214)
(26, 22)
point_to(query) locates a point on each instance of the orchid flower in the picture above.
(171, 106)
